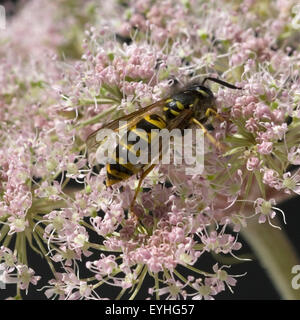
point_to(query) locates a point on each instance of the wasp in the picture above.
(193, 104)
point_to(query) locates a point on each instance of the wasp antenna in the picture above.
(226, 84)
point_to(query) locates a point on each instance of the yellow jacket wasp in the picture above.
(192, 104)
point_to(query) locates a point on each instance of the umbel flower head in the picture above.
(54, 93)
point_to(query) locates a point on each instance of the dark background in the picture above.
(255, 285)
(10, 6)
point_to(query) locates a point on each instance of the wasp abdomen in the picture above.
(173, 108)
(136, 140)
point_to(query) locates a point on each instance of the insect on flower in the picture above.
(193, 104)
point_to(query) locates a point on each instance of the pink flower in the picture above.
(265, 147)
(251, 125)
(263, 112)
(266, 210)
(291, 182)
(205, 291)
(103, 266)
(26, 276)
(222, 278)
(224, 243)
(253, 163)
(17, 224)
(23, 277)
(294, 155)
(271, 178)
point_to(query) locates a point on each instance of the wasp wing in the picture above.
(92, 142)
(180, 122)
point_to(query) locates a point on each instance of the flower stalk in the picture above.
(276, 254)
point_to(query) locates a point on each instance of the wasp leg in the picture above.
(137, 190)
(210, 111)
(216, 143)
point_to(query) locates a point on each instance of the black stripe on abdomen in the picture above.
(117, 167)
(173, 109)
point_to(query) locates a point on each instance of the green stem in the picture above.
(97, 117)
(231, 260)
(120, 295)
(45, 253)
(3, 232)
(156, 286)
(99, 101)
(101, 247)
(276, 254)
(7, 241)
(140, 282)
(207, 274)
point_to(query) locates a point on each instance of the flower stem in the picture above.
(156, 286)
(97, 117)
(140, 282)
(276, 254)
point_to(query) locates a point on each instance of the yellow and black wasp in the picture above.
(193, 104)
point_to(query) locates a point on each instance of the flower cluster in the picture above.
(104, 61)
(13, 271)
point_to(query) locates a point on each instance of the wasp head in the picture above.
(204, 99)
